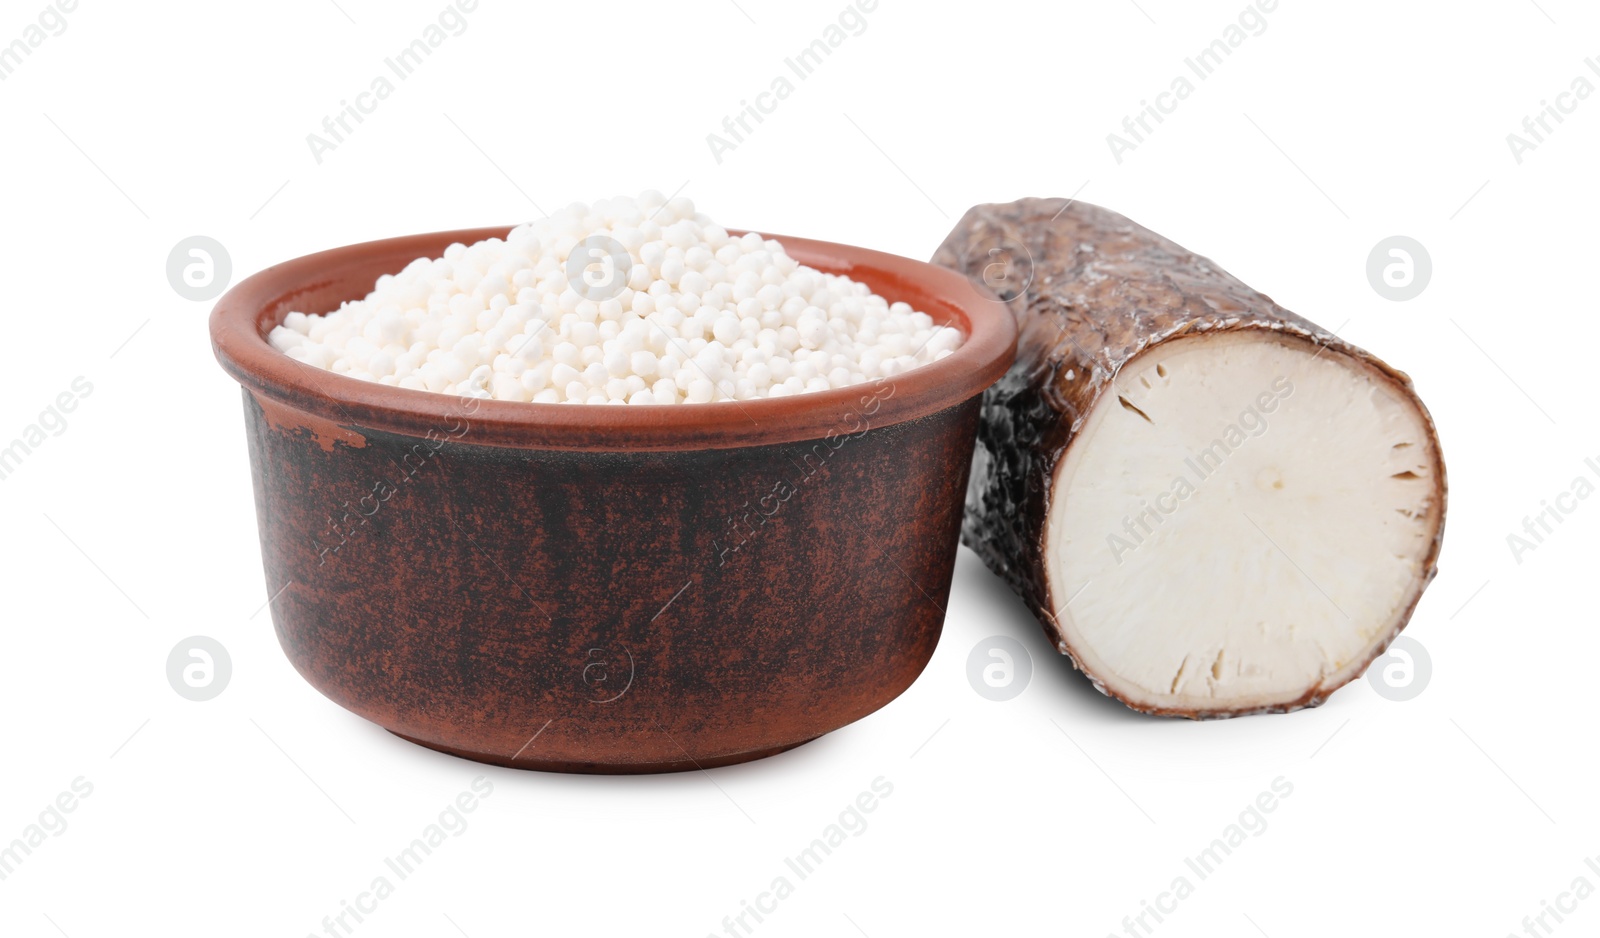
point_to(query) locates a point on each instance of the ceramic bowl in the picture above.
(607, 589)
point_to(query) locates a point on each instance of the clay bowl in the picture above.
(583, 588)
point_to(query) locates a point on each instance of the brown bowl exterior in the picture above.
(607, 589)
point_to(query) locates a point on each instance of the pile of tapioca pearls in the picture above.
(672, 309)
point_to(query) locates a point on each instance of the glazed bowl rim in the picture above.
(347, 406)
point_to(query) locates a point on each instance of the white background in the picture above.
(1059, 812)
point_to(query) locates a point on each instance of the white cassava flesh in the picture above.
(1242, 520)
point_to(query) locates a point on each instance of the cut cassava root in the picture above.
(1213, 506)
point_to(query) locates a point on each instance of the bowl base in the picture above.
(605, 768)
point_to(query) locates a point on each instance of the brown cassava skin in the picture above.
(1092, 290)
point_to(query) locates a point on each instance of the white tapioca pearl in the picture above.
(701, 391)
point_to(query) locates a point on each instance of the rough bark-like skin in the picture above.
(1091, 290)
